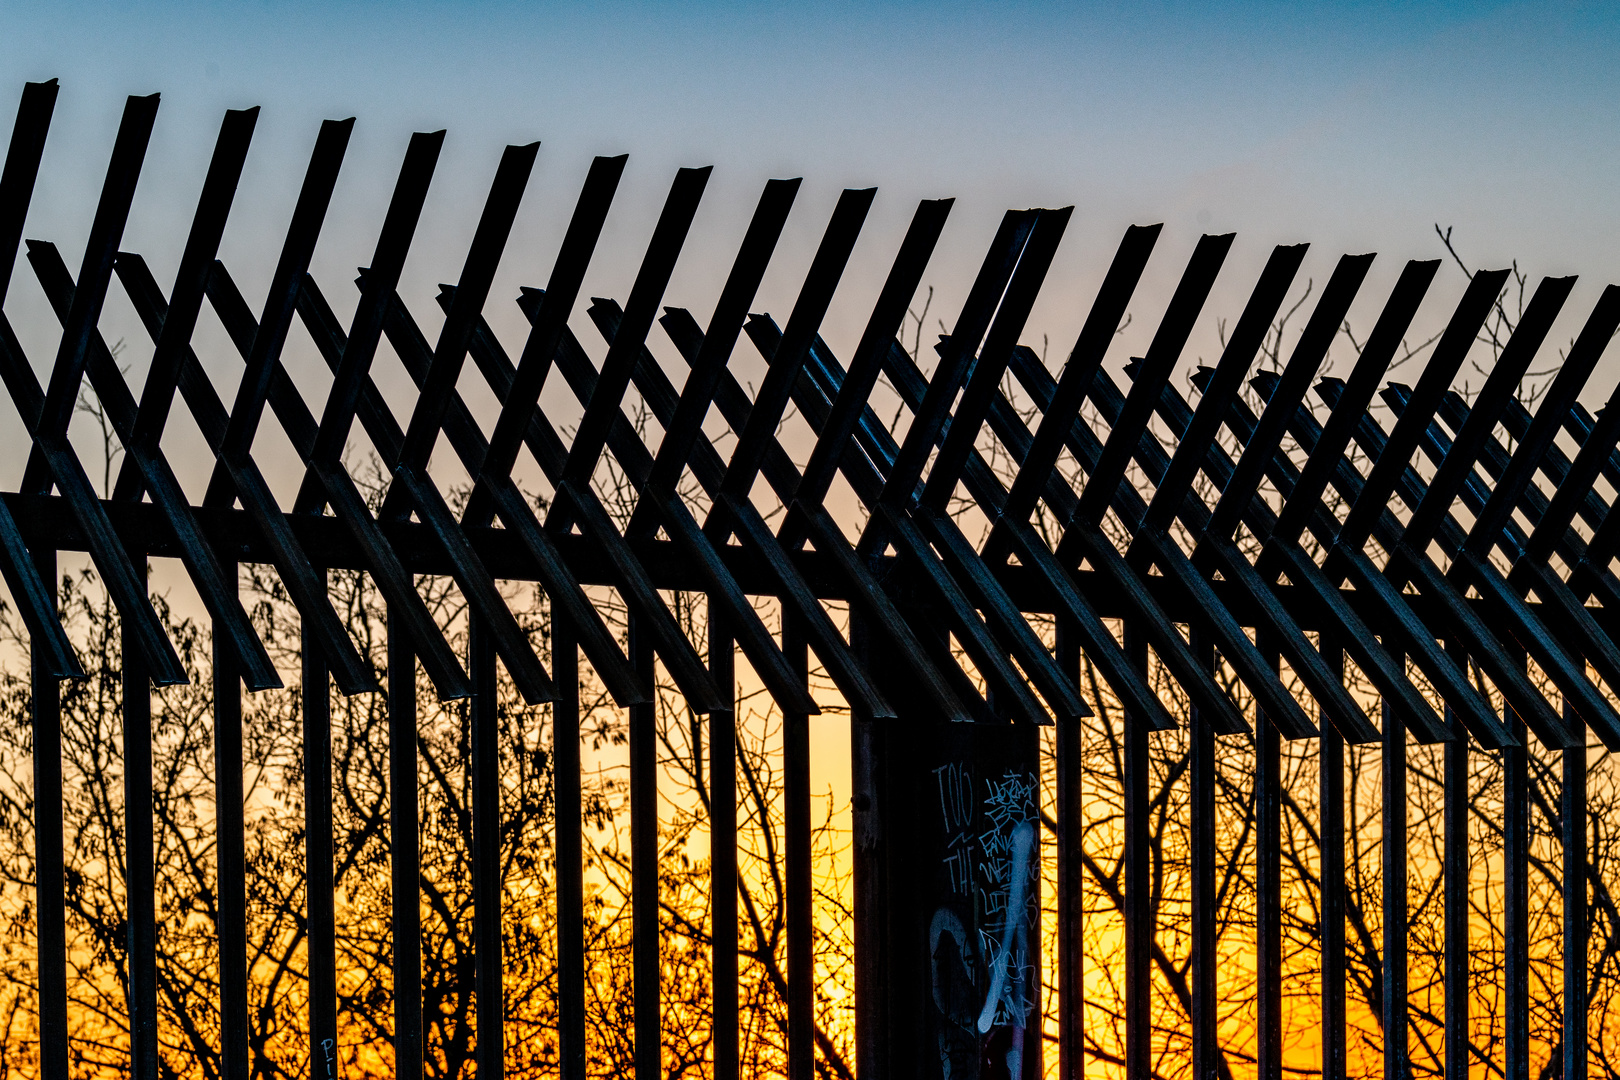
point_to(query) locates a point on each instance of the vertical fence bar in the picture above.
(1330, 781)
(406, 858)
(723, 848)
(139, 856)
(1573, 814)
(1138, 901)
(1456, 889)
(230, 852)
(870, 874)
(570, 852)
(1201, 781)
(1393, 825)
(1268, 888)
(644, 863)
(49, 881)
(1515, 905)
(796, 850)
(486, 850)
(319, 901)
(1070, 870)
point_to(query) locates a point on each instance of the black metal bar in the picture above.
(476, 583)
(1196, 450)
(50, 885)
(679, 522)
(801, 973)
(35, 598)
(929, 539)
(301, 428)
(48, 642)
(347, 503)
(243, 480)
(629, 337)
(405, 856)
(1139, 929)
(1220, 554)
(638, 464)
(784, 479)
(1376, 354)
(980, 391)
(956, 353)
(1330, 782)
(1014, 532)
(1268, 792)
(319, 887)
(979, 584)
(568, 600)
(589, 514)
(567, 274)
(720, 337)
(1400, 621)
(230, 853)
(1499, 387)
(201, 563)
(723, 852)
(380, 559)
(644, 868)
(485, 766)
(1209, 615)
(46, 413)
(95, 273)
(1163, 353)
(1472, 567)
(412, 488)
(866, 364)
(365, 331)
(1515, 905)
(1570, 620)
(1443, 365)
(140, 886)
(1573, 827)
(1392, 824)
(1070, 809)
(263, 358)
(185, 302)
(870, 873)
(1205, 918)
(787, 360)
(1308, 355)
(1455, 884)
(684, 434)
(565, 741)
(1101, 326)
(21, 170)
(472, 291)
(1236, 358)
(1448, 598)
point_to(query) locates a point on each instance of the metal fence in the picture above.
(1234, 549)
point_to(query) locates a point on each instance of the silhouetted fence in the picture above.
(1241, 550)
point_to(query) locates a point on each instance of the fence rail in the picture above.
(1438, 555)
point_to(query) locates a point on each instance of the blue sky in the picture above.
(1353, 126)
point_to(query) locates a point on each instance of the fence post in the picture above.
(318, 884)
(406, 858)
(486, 854)
(49, 884)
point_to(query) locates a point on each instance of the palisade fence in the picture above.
(1233, 569)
